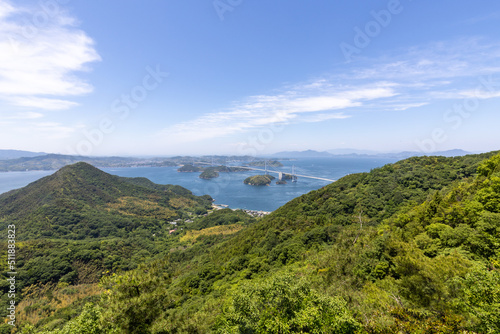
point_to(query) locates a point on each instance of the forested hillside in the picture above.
(80, 222)
(412, 247)
(81, 201)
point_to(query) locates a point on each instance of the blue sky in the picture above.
(165, 77)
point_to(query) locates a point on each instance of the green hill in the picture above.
(80, 201)
(411, 247)
(367, 240)
(190, 169)
(259, 180)
(209, 173)
(80, 222)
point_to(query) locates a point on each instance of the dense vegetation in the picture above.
(80, 201)
(412, 247)
(259, 180)
(190, 169)
(209, 173)
(80, 222)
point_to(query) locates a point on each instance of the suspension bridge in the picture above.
(267, 170)
(292, 174)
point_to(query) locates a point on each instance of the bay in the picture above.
(15, 180)
(229, 188)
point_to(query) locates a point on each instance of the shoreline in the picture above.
(254, 213)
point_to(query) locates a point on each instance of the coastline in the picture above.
(254, 213)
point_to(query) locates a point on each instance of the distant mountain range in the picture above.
(42, 161)
(14, 160)
(363, 153)
(343, 151)
(302, 154)
(14, 154)
(57, 161)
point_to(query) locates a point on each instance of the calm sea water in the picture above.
(15, 180)
(229, 188)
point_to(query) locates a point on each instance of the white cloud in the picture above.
(324, 117)
(301, 103)
(480, 93)
(24, 115)
(438, 61)
(5, 9)
(41, 52)
(310, 104)
(40, 103)
(47, 130)
(402, 107)
(412, 78)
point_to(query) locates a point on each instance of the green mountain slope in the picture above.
(80, 222)
(412, 247)
(370, 239)
(80, 201)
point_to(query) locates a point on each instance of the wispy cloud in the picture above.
(310, 102)
(434, 63)
(24, 116)
(40, 103)
(39, 60)
(324, 117)
(46, 131)
(397, 82)
(482, 18)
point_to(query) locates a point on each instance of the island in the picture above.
(209, 173)
(259, 180)
(190, 169)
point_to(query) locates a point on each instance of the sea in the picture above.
(229, 189)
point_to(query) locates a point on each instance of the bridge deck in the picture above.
(272, 171)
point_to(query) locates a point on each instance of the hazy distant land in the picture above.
(12, 160)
